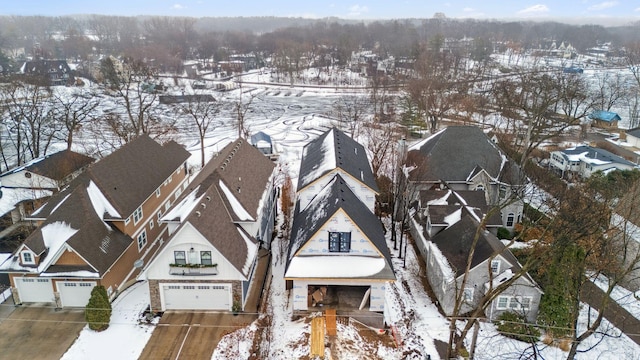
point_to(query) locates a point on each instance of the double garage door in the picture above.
(72, 293)
(196, 296)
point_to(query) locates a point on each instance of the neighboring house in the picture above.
(584, 160)
(217, 228)
(50, 172)
(633, 137)
(338, 252)
(56, 72)
(446, 254)
(436, 209)
(604, 119)
(335, 153)
(262, 142)
(465, 158)
(101, 228)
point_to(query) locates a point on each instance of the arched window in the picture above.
(480, 187)
(510, 219)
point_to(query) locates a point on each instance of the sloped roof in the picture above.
(602, 115)
(455, 243)
(99, 243)
(128, 176)
(334, 149)
(56, 166)
(228, 188)
(334, 196)
(592, 155)
(443, 203)
(456, 153)
(44, 67)
(635, 132)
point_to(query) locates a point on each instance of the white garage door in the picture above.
(75, 293)
(196, 296)
(35, 290)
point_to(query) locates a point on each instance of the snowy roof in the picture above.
(227, 191)
(334, 149)
(56, 166)
(593, 156)
(142, 159)
(336, 196)
(12, 197)
(328, 266)
(635, 132)
(443, 203)
(457, 153)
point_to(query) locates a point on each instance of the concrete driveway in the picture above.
(30, 332)
(191, 335)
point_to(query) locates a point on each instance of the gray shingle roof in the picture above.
(635, 132)
(56, 166)
(335, 196)
(336, 148)
(455, 153)
(596, 154)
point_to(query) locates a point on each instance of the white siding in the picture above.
(363, 192)
(319, 242)
(185, 239)
(35, 181)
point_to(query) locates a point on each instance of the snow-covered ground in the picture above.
(292, 117)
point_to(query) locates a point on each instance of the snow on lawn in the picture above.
(126, 336)
(625, 298)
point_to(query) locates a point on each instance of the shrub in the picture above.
(516, 327)
(504, 233)
(98, 310)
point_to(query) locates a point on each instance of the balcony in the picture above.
(193, 269)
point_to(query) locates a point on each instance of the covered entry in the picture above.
(31, 289)
(200, 296)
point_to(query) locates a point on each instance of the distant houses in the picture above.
(50, 72)
(604, 119)
(582, 161)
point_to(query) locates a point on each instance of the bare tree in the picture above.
(202, 113)
(350, 111)
(73, 112)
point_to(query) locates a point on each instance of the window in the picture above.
(525, 303)
(127, 220)
(510, 219)
(27, 258)
(495, 266)
(170, 178)
(514, 304)
(142, 239)
(151, 224)
(159, 215)
(467, 295)
(205, 258)
(339, 241)
(180, 257)
(167, 205)
(502, 302)
(158, 192)
(137, 215)
(480, 187)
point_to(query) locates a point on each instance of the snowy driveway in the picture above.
(39, 332)
(191, 335)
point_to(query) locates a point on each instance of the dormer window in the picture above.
(27, 258)
(495, 266)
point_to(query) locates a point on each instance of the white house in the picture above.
(584, 160)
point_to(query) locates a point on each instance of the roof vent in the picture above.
(208, 198)
(198, 213)
(204, 206)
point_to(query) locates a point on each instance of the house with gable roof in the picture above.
(584, 160)
(604, 119)
(445, 233)
(337, 244)
(335, 153)
(337, 254)
(465, 158)
(26, 186)
(101, 228)
(218, 228)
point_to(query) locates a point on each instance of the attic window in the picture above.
(339, 242)
(27, 175)
(27, 258)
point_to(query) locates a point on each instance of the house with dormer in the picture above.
(446, 231)
(218, 227)
(465, 158)
(582, 161)
(102, 228)
(332, 153)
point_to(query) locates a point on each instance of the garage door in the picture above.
(75, 293)
(35, 290)
(196, 296)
